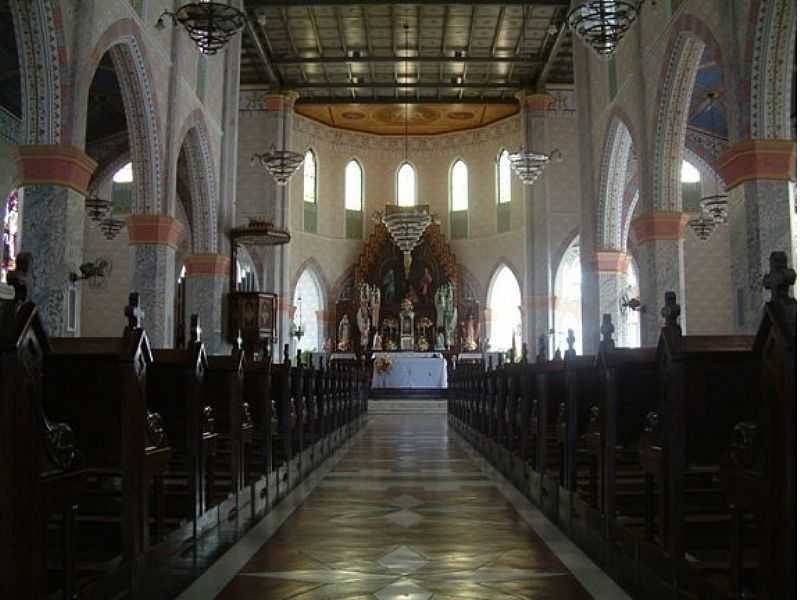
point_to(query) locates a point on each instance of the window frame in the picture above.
(354, 160)
(498, 158)
(397, 184)
(313, 154)
(453, 166)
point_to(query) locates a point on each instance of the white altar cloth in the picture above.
(415, 370)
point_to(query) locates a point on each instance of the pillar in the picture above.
(538, 293)
(659, 235)
(762, 213)
(612, 271)
(55, 178)
(206, 286)
(153, 240)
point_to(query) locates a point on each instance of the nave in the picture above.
(408, 511)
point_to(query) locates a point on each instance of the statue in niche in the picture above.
(389, 289)
(450, 314)
(375, 305)
(440, 303)
(377, 341)
(469, 334)
(424, 284)
(344, 334)
(362, 321)
(440, 341)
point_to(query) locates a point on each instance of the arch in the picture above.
(129, 56)
(771, 77)
(42, 53)
(567, 293)
(310, 176)
(310, 286)
(504, 301)
(406, 176)
(354, 174)
(689, 38)
(459, 185)
(107, 170)
(613, 178)
(502, 177)
(202, 183)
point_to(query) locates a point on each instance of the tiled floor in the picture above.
(407, 513)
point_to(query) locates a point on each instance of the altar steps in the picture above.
(416, 406)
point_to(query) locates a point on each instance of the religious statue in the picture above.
(440, 302)
(344, 335)
(362, 321)
(424, 284)
(389, 291)
(440, 343)
(377, 341)
(375, 305)
(327, 347)
(469, 335)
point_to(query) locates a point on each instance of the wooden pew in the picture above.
(551, 392)
(100, 384)
(38, 476)
(707, 384)
(224, 389)
(759, 473)
(176, 390)
(257, 392)
(283, 446)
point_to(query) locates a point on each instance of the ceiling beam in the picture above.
(410, 100)
(552, 53)
(254, 4)
(408, 86)
(262, 55)
(364, 60)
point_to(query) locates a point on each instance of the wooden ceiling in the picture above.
(383, 51)
(423, 119)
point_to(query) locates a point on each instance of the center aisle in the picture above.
(408, 513)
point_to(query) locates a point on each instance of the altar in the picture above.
(409, 371)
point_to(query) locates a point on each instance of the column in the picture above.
(55, 178)
(762, 215)
(153, 240)
(612, 269)
(206, 286)
(659, 235)
(538, 293)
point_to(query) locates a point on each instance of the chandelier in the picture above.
(281, 164)
(529, 165)
(703, 226)
(97, 208)
(210, 24)
(714, 207)
(298, 330)
(406, 224)
(601, 24)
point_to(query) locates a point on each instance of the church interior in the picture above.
(322, 299)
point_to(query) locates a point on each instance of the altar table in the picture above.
(411, 370)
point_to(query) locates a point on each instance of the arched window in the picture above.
(503, 185)
(122, 189)
(690, 187)
(568, 299)
(310, 192)
(11, 227)
(353, 199)
(505, 299)
(459, 200)
(633, 330)
(503, 178)
(310, 177)
(406, 185)
(308, 299)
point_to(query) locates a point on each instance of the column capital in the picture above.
(659, 225)
(156, 230)
(752, 160)
(276, 101)
(207, 265)
(62, 165)
(611, 261)
(535, 102)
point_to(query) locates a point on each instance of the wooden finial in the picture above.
(780, 277)
(195, 332)
(299, 357)
(286, 354)
(671, 311)
(607, 330)
(21, 278)
(524, 353)
(134, 314)
(557, 355)
(541, 355)
(570, 353)
(491, 362)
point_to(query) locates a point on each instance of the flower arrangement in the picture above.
(383, 365)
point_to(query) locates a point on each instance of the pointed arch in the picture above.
(406, 184)
(502, 174)
(202, 182)
(310, 176)
(613, 177)
(354, 185)
(309, 285)
(504, 303)
(567, 292)
(459, 185)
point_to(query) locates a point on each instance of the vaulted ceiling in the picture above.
(359, 51)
